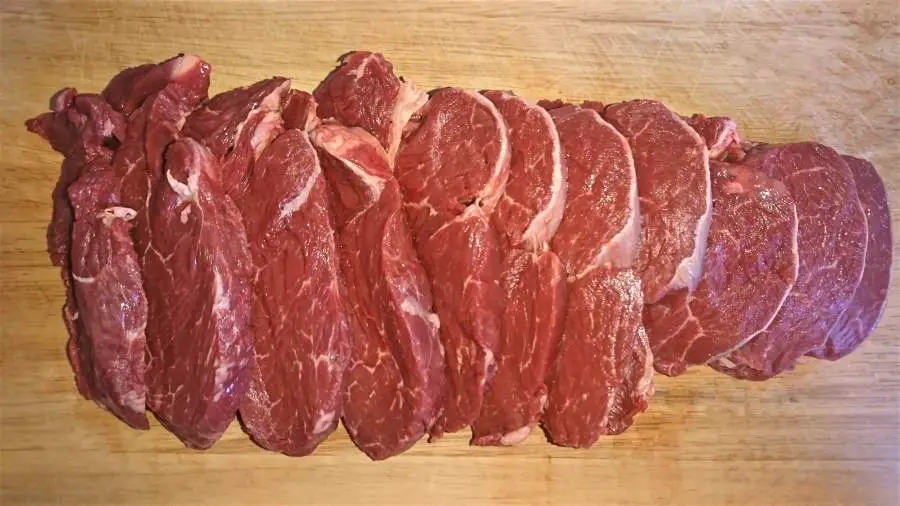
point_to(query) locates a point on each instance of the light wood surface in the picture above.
(786, 70)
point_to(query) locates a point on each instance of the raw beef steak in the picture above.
(534, 280)
(300, 109)
(452, 166)
(298, 309)
(721, 136)
(603, 372)
(109, 290)
(131, 87)
(237, 125)
(394, 378)
(672, 164)
(861, 317)
(363, 91)
(750, 266)
(831, 244)
(199, 271)
(82, 128)
(157, 110)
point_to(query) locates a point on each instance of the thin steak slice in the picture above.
(237, 125)
(861, 317)
(750, 267)
(394, 378)
(831, 244)
(452, 166)
(672, 163)
(301, 337)
(534, 280)
(82, 128)
(603, 372)
(199, 271)
(363, 91)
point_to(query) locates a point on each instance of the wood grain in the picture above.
(786, 71)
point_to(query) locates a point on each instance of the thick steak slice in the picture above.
(672, 164)
(603, 372)
(363, 91)
(109, 289)
(199, 271)
(534, 280)
(394, 377)
(82, 128)
(750, 266)
(452, 166)
(237, 125)
(861, 317)
(831, 244)
(298, 310)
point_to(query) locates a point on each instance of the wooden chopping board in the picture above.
(786, 71)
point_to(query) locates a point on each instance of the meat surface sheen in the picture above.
(672, 163)
(861, 317)
(603, 374)
(300, 330)
(750, 267)
(452, 167)
(199, 273)
(394, 377)
(831, 244)
(533, 281)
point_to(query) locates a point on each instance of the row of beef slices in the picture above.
(413, 264)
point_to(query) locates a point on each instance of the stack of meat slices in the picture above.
(414, 264)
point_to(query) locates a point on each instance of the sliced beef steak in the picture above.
(107, 285)
(237, 125)
(298, 309)
(156, 114)
(831, 244)
(300, 109)
(721, 136)
(394, 377)
(534, 280)
(364, 92)
(83, 128)
(109, 289)
(131, 87)
(452, 166)
(861, 317)
(603, 372)
(198, 270)
(750, 267)
(672, 163)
